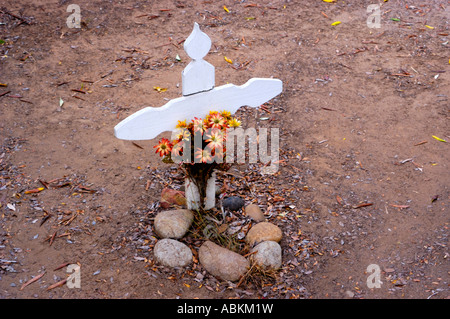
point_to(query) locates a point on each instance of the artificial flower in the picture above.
(164, 147)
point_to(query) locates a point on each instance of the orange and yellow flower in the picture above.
(214, 138)
(183, 134)
(199, 125)
(181, 124)
(234, 123)
(164, 147)
(216, 121)
(203, 156)
(213, 131)
(226, 114)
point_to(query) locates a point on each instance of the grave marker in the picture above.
(199, 97)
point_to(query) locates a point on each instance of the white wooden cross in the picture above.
(199, 97)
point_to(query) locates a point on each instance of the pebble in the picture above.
(254, 212)
(170, 197)
(233, 203)
(349, 294)
(173, 223)
(172, 253)
(221, 262)
(263, 231)
(268, 255)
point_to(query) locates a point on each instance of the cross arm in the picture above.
(149, 122)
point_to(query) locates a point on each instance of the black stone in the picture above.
(233, 203)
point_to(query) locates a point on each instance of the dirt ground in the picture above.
(361, 179)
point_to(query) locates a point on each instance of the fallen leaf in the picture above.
(429, 27)
(363, 205)
(58, 284)
(329, 1)
(46, 217)
(420, 143)
(222, 228)
(159, 89)
(336, 23)
(277, 198)
(35, 278)
(36, 190)
(400, 206)
(439, 139)
(228, 60)
(226, 9)
(11, 206)
(61, 266)
(137, 145)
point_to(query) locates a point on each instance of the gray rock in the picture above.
(173, 223)
(233, 203)
(262, 232)
(172, 253)
(268, 255)
(221, 262)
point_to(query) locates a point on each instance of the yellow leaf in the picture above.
(36, 190)
(186, 285)
(336, 23)
(228, 60)
(157, 88)
(226, 9)
(429, 27)
(329, 1)
(439, 139)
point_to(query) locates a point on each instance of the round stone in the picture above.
(254, 212)
(267, 255)
(173, 223)
(221, 262)
(262, 232)
(172, 253)
(233, 203)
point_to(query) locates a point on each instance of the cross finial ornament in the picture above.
(199, 96)
(198, 76)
